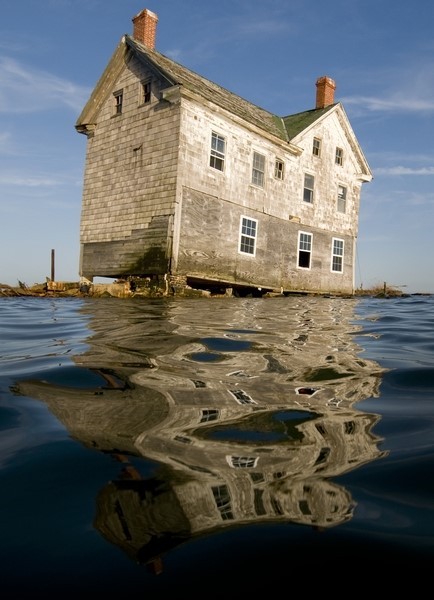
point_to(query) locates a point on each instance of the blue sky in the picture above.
(379, 52)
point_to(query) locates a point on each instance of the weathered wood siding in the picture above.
(129, 183)
(212, 203)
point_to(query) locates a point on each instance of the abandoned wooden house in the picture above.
(189, 185)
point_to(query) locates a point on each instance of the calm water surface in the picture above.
(214, 445)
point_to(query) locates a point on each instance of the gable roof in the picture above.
(295, 124)
(283, 128)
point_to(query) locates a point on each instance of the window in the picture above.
(209, 414)
(279, 169)
(337, 255)
(309, 181)
(304, 250)
(342, 198)
(222, 499)
(118, 96)
(339, 156)
(241, 397)
(248, 229)
(258, 170)
(218, 149)
(242, 462)
(316, 147)
(145, 92)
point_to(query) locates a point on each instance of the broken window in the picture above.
(342, 198)
(339, 156)
(309, 182)
(118, 98)
(316, 147)
(218, 150)
(258, 170)
(279, 169)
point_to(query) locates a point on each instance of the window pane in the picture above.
(218, 148)
(258, 169)
(248, 236)
(309, 181)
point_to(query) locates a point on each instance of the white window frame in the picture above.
(308, 188)
(341, 205)
(218, 151)
(339, 156)
(304, 245)
(337, 261)
(242, 462)
(248, 236)
(258, 169)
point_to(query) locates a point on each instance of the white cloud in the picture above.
(26, 90)
(400, 170)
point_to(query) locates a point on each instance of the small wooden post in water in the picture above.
(52, 265)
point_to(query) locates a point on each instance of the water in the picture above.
(214, 445)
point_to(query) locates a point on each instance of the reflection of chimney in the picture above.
(145, 28)
(325, 92)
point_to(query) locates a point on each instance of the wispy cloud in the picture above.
(400, 170)
(22, 181)
(26, 90)
(391, 104)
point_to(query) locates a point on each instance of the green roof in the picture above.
(294, 124)
(176, 74)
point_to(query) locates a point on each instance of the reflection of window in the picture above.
(242, 462)
(218, 149)
(338, 255)
(339, 157)
(309, 181)
(304, 250)
(279, 169)
(316, 147)
(209, 414)
(248, 229)
(258, 170)
(241, 397)
(118, 97)
(342, 198)
(223, 501)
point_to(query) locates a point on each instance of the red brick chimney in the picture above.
(145, 28)
(325, 92)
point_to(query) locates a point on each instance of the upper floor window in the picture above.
(145, 92)
(338, 255)
(339, 156)
(218, 150)
(316, 147)
(279, 167)
(304, 250)
(248, 230)
(258, 170)
(118, 97)
(342, 198)
(309, 182)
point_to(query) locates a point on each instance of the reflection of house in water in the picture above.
(251, 415)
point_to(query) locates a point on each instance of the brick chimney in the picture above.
(325, 92)
(145, 28)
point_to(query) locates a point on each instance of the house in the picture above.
(189, 185)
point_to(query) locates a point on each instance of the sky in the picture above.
(380, 53)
